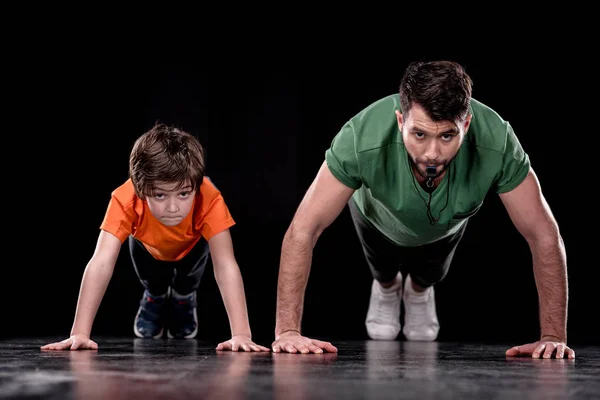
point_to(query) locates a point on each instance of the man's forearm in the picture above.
(93, 286)
(296, 256)
(550, 270)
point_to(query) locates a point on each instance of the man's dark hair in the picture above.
(442, 88)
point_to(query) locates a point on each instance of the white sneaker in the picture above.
(383, 316)
(420, 316)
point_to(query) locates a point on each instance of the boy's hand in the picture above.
(240, 342)
(75, 342)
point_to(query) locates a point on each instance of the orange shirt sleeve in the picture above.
(214, 213)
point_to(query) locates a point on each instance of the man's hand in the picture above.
(240, 342)
(545, 348)
(293, 342)
(75, 342)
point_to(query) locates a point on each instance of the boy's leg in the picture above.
(155, 276)
(426, 266)
(384, 259)
(188, 274)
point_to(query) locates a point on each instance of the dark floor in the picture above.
(131, 368)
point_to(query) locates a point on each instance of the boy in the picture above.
(172, 218)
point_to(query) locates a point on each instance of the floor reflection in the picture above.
(167, 369)
(550, 378)
(150, 373)
(294, 375)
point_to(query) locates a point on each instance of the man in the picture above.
(413, 168)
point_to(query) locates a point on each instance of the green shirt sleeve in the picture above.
(515, 164)
(341, 157)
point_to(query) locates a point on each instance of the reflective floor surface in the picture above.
(131, 368)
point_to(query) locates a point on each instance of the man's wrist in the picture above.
(552, 338)
(287, 331)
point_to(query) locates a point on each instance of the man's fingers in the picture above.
(302, 348)
(325, 346)
(570, 353)
(560, 351)
(290, 348)
(315, 349)
(550, 347)
(514, 351)
(538, 350)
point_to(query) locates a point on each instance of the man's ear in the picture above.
(468, 122)
(399, 119)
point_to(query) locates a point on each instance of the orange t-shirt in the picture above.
(128, 215)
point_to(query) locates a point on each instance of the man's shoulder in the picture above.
(375, 125)
(488, 130)
(382, 108)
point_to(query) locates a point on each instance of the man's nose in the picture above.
(432, 152)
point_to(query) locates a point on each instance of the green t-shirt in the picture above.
(368, 155)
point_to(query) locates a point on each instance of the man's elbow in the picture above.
(300, 231)
(546, 235)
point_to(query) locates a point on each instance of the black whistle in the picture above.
(430, 175)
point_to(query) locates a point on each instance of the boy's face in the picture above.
(170, 206)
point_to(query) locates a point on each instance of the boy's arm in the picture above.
(229, 280)
(231, 285)
(95, 280)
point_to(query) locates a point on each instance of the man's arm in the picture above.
(533, 218)
(323, 202)
(95, 280)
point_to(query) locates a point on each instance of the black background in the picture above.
(266, 113)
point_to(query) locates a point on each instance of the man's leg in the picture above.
(426, 266)
(188, 274)
(384, 260)
(155, 276)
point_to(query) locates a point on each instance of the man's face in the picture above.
(430, 143)
(170, 206)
